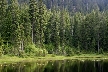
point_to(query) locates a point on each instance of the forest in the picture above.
(60, 27)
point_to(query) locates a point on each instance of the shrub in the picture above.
(69, 51)
(101, 51)
(32, 50)
(45, 52)
(49, 48)
(1, 51)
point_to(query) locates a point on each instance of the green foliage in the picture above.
(1, 51)
(32, 30)
(32, 50)
(101, 51)
(69, 51)
(49, 48)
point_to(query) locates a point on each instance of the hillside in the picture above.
(75, 5)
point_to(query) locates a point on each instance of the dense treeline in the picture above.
(78, 5)
(32, 30)
(75, 5)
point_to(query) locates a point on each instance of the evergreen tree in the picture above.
(64, 25)
(55, 30)
(62, 31)
(42, 21)
(26, 25)
(77, 21)
(33, 11)
(3, 7)
(14, 27)
(47, 32)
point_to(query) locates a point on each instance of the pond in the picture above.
(57, 66)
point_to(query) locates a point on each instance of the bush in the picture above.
(32, 50)
(69, 51)
(49, 48)
(1, 51)
(45, 52)
(53, 55)
(22, 54)
(101, 51)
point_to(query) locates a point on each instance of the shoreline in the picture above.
(14, 59)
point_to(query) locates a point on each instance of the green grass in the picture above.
(8, 59)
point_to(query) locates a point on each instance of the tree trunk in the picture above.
(22, 46)
(32, 35)
(98, 43)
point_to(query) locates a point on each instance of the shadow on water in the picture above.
(57, 66)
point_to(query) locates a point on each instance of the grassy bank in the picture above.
(79, 57)
(8, 59)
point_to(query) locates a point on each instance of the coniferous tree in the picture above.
(41, 21)
(62, 29)
(55, 30)
(33, 10)
(14, 26)
(3, 7)
(25, 21)
(47, 32)
(64, 25)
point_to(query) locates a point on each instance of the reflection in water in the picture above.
(57, 66)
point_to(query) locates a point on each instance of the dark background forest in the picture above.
(75, 5)
(61, 27)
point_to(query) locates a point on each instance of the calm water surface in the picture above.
(57, 66)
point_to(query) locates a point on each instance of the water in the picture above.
(57, 66)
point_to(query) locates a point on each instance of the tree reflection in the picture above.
(56, 66)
